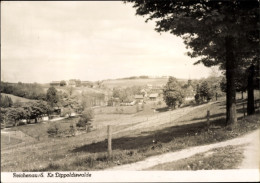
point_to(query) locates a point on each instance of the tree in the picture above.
(205, 91)
(15, 114)
(223, 85)
(78, 82)
(35, 110)
(63, 83)
(241, 82)
(52, 96)
(250, 90)
(71, 104)
(172, 93)
(6, 101)
(3, 112)
(223, 33)
(30, 91)
(86, 118)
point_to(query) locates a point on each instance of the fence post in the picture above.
(109, 141)
(9, 137)
(244, 110)
(208, 116)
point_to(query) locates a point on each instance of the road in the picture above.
(250, 161)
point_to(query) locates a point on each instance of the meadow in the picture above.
(133, 138)
(16, 98)
(134, 82)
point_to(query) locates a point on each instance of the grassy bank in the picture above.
(216, 159)
(88, 151)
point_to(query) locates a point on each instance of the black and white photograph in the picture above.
(130, 91)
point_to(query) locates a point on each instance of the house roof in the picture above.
(139, 96)
(153, 95)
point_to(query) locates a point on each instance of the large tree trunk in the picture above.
(231, 115)
(250, 90)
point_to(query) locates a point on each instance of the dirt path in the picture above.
(251, 153)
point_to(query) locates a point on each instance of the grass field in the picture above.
(16, 98)
(131, 82)
(133, 137)
(216, 159)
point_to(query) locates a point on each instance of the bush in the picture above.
(53, 130)
(21, 123)
(85, 119)
(72, 130)
(81, 123)
(197, 98)
(87, 115)
(159, 103)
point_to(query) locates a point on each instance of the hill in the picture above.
(16, 98)
(138, 82)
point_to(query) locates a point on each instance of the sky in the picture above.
(51, 41)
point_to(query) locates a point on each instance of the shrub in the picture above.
(85, 119)
(159, 103)
(197, 98)
(81, 123)
(72, 130)
(53, 130)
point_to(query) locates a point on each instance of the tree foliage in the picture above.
(52, 96)
(86, 118)
(6, 101)
(204, 92)
(223, 33)
(15, 114)
(27, 111)
(63, 83)
(31, 91)
(127, 94)
(172, 93)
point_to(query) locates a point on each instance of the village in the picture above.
(160, 87)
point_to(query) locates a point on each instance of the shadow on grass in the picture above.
(163, 109)
(165, 135)
(211, 116)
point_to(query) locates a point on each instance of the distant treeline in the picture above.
(26, 90)
(135, 77)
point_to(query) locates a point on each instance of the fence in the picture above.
(34, 145)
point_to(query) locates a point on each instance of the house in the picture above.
(127, 103)
(153, 96)
(139, 98)
(143, 92)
